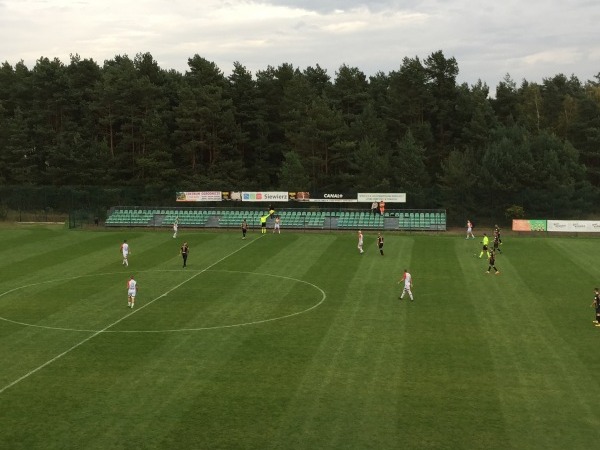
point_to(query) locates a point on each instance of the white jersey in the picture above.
(407, 286)
(407, 280)
(125, 249)
(131, 287)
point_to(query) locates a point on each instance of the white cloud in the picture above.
(531, 40)
(555, 56)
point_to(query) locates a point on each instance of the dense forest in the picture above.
(130, 123)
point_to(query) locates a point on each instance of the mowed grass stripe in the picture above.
(96, 333)
(135, 375)
(44, 257)
(215, 304)
(13, 240)
(140, 388)
(24, 348)
(89, 271)
(274, 355)
(362, 370)
(543, 386)
(349, 371)
(445, 374)
(228, 408)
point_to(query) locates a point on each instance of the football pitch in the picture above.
(296, 341)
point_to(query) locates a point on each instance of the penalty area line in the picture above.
(57, 357)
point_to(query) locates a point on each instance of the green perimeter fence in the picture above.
(82, 203)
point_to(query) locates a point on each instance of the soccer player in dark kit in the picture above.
(380, 243)
(244, 228)
(185, 250)
(492, 263)
(596, 305)
(497, 242)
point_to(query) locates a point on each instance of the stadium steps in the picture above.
(390, 223)
(418, 221)
(186, 218)
(402, 220)
(359, 220)
(159, 219)
(212, 221)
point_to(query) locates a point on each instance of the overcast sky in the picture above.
(531, 39)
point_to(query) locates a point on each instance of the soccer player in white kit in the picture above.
(175, 226)
(277, 226)
(131, 292)
(407, 278)
(125, 252)
(470, 230)
(360, 241)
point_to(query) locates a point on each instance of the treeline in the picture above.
(414, 130)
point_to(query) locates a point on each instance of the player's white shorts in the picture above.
(131, 293)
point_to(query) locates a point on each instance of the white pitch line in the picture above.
(57, 357)
(216, 327)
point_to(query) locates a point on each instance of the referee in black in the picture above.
(185, 250)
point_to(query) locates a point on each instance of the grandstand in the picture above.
(406, 220)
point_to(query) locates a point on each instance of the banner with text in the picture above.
(204, 196)
(333, 197)
(529, 225)
(265, 196)
(377, 197)
(574, 226)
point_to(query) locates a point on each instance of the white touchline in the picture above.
(47, 363)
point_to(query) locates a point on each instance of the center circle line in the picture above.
(216, 327)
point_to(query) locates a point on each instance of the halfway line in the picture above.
(57, 357)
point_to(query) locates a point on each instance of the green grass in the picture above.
(295, 341)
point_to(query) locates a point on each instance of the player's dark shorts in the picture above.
(264, 225)
(485, 247)
(380, 245)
